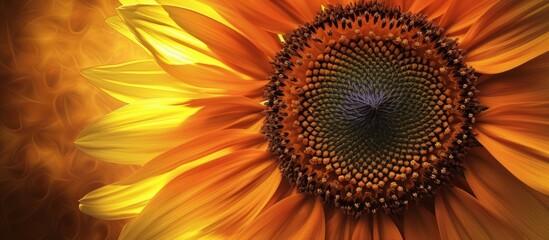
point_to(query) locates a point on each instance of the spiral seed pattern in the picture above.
(370, 108)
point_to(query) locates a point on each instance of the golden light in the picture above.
(45, 103)
(216, 124)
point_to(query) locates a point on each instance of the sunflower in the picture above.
(328, 120)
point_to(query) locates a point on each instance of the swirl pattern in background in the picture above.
(45, 103)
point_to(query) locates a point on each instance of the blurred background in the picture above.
(44, 104)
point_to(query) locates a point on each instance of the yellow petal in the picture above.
(509, 198)
(215, 199)
(136, 133)
(296, 217)
(163, 38)
(507, 35)
(516, 135)
(118, 24)
(138, 80)
(460, 216)
(223, 12)
(420, 224)
(199, 7)
(129, 197)
(134, 2)
(200, 147)
(113, 202)
(227, 44)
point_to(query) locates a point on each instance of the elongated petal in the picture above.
(221, 11)
(154, 28)
(339, 225)
(222, 113)
(516, 135)
(385, 228)
(420, 224)
(461, 15)
(376, 227)
(498, 190)
(460, 216)
(514, 128)
(136, 133)
(138, 80)
(363, 229)
(274, 16)
(113, 202)
(197, 148)
(212, 200)
(134, 2)
(526, 83)
(227, 44)
(212, 78)
(508, 35)
(128, 197)
(433, 9)
(118, 24)
(296, 217)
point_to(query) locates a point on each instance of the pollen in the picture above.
(369, 108)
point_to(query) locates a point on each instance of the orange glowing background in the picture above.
(45, 103)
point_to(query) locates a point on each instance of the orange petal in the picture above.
(162, 37)
(222, 112)
(525, 83)
(305, 9)
(284, 190)
(462, 14)
(127, 198)
(339, 225)
(213, 200)
(228, 45)
(420, 224)
(508, 35)
(499, 191)
(342, 2)
(376, 227)
(363, 229)
(385, 228)
(460, 216)
(296, 217)
(267, 41)
(197, 148)
(516, 135)
(433, 9)
(216, 79)
(278, 16)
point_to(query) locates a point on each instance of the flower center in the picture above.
(370, 108)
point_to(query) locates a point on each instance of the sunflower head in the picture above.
(370, 108)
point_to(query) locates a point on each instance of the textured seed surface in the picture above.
(370, 108)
